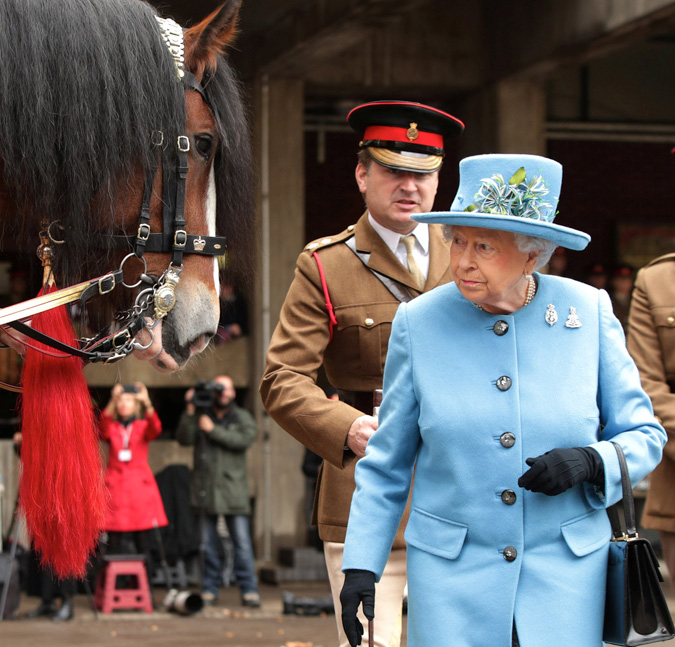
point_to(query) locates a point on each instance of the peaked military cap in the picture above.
(404, 135)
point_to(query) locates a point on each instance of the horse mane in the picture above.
(233, 171)
(83, 85)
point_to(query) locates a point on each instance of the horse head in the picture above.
(218, 157)
(128, 127)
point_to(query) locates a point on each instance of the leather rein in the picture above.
(157, 295)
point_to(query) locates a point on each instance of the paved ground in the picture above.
(226, 624)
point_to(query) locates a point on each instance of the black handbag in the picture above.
(636, 612)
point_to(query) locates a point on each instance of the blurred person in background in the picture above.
(221, 433)
(129, 423)
(651, 342)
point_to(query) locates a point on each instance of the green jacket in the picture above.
(220, 461)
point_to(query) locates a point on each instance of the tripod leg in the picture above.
(8, 571)
(87, 588)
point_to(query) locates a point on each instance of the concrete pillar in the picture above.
(275, 460)
(521, 117)
(506, 117)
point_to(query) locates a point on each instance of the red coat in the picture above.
(135, 502)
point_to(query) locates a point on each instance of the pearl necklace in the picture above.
(529, 295)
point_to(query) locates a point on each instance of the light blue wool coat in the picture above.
(443, 415)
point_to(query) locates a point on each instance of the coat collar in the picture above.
(383, 260)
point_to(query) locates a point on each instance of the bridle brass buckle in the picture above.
(180, 238)
(183, 144)
(122, 333)
(106, 284)
(143, 231)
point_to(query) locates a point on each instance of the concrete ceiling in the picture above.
(432, 50)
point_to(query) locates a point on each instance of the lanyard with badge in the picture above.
(124, 455)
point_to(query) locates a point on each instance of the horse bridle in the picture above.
(160, 293)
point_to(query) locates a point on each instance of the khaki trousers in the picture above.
(388, 597)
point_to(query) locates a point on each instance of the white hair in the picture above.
(525, 244)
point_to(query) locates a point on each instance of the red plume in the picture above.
(62, 493)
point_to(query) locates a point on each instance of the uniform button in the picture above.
(504, 383)
(510, 553)
(509, 497)
(670, 321)
(350, 228)
(500, 328)
(507, 439)
(368, 321)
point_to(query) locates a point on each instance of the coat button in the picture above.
(509, 497)
(368, 321)
(670, 321)
(504, 383)
(510, 553)
(500, 328)
(507, 439)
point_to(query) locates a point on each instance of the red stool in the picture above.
(108, 597)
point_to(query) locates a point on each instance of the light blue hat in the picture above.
(517, 193)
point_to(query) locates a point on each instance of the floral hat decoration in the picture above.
(516, 193)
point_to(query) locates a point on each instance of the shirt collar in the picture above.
(392, 239)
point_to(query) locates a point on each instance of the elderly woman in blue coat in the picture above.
(502, 392)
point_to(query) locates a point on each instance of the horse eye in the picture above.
(204, 145)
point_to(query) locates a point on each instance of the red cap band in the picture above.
(393, 134)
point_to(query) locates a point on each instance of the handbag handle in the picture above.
(628, 503)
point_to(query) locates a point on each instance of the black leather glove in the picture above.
(359, 587)
(560, 469)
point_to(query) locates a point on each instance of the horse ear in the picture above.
(212, 36)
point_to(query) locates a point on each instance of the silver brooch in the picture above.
(573, 319)
(551, 314)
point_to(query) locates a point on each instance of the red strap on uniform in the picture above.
(329, 306)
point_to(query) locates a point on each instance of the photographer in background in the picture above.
(221, 433)
(128, 424)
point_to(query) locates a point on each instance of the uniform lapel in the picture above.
(381, 257)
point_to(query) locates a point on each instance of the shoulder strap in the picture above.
(332, 320)
(398, 290)
(628, 502)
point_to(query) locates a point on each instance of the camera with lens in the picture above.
(206, 393)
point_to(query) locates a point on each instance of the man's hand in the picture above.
(206, 424)
(359, 434)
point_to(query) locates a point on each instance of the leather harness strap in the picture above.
(397, 289)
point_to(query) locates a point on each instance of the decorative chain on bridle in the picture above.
(157, 296)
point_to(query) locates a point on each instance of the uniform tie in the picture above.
(413, 267)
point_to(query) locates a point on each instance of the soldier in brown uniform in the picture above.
(651, 342)
(368, 269)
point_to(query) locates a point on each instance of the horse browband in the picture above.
(173, 239)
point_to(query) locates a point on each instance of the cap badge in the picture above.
(413, 133)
